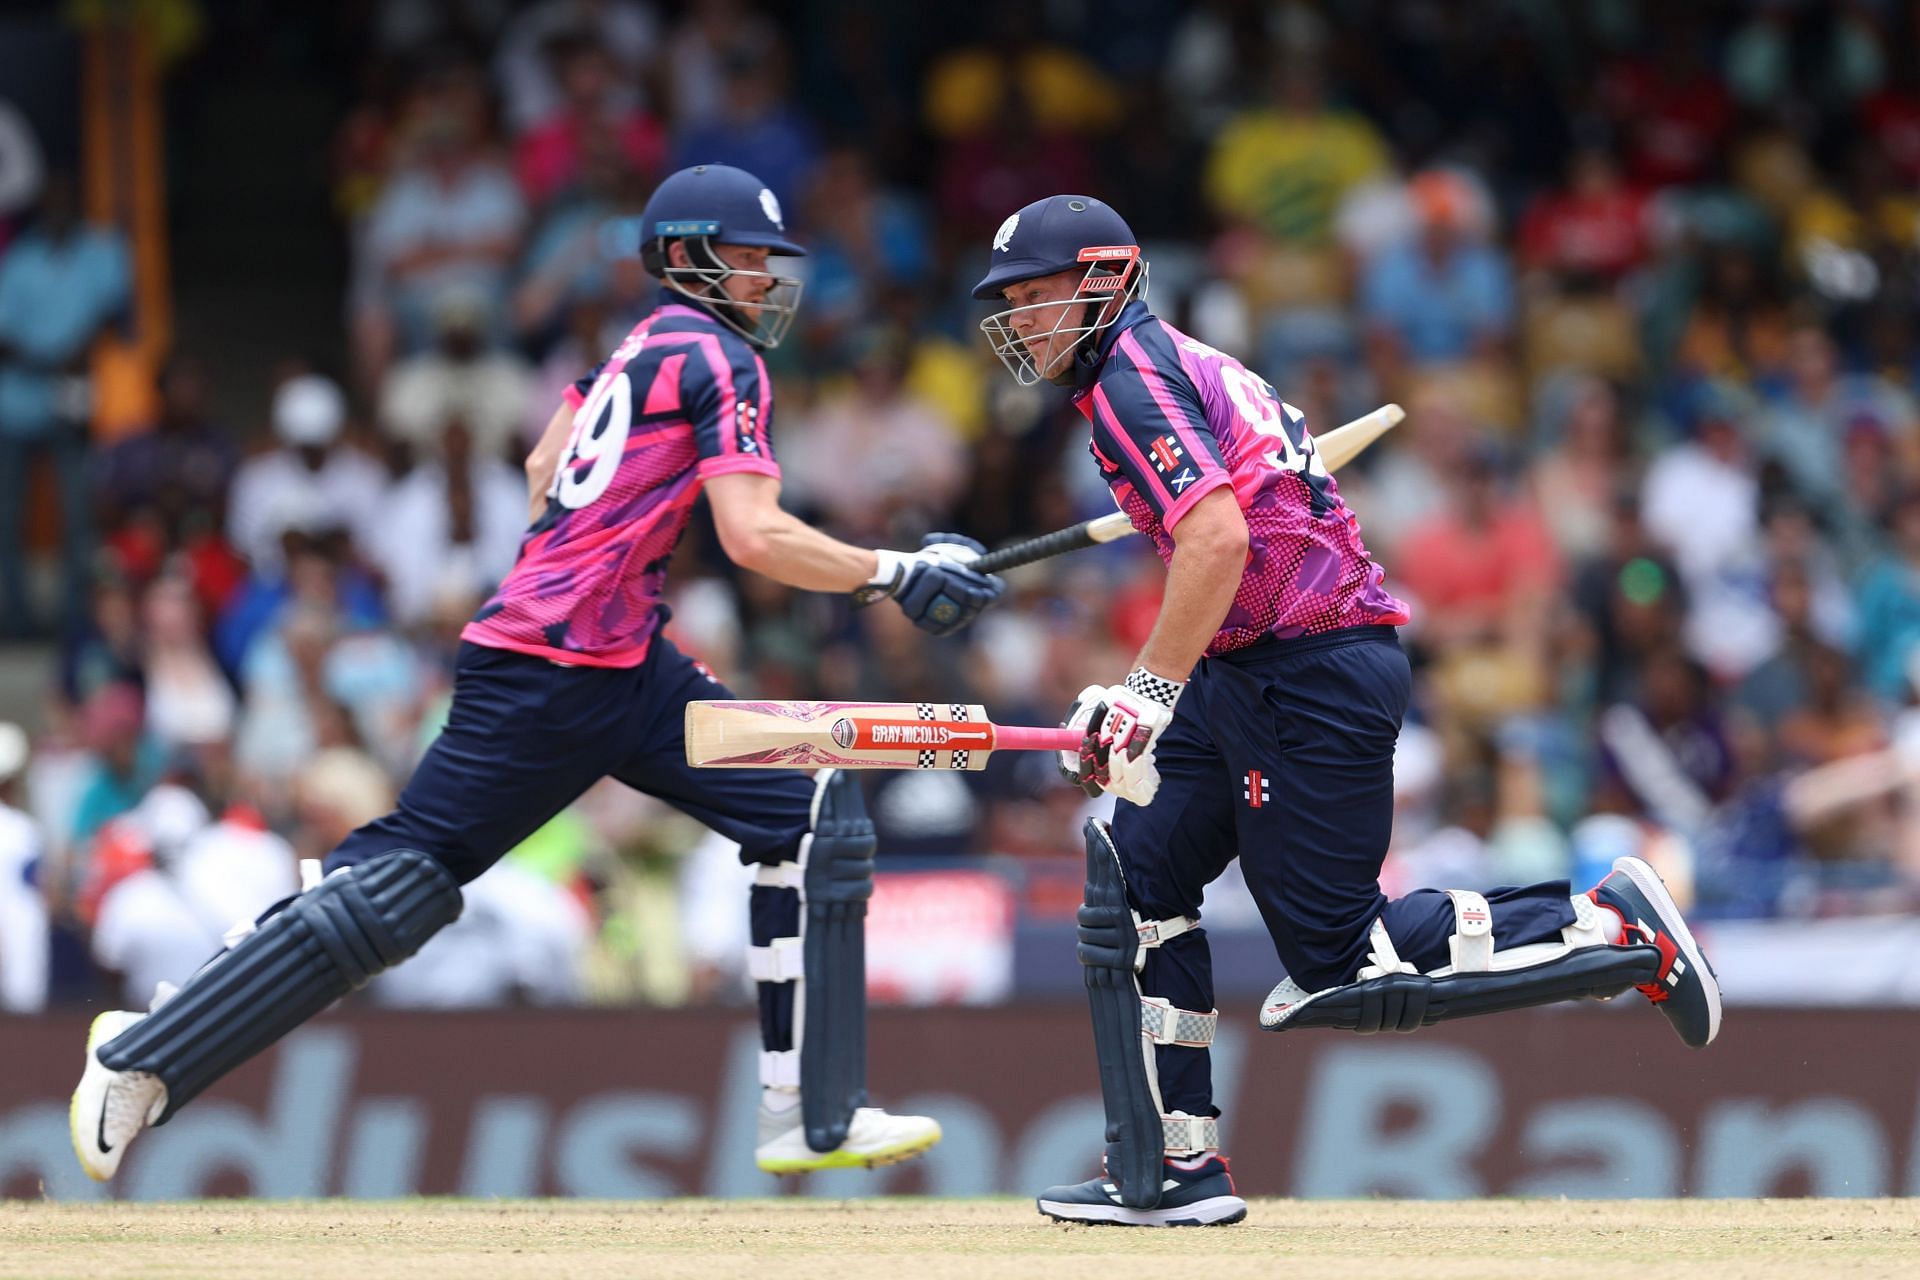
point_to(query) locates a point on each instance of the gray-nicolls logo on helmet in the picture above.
(1069, 265)
(707, 232)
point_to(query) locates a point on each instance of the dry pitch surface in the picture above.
(935, 1240)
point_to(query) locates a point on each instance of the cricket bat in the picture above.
(856, 735)
(1336, 448)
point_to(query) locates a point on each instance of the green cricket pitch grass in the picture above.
(941, 1239)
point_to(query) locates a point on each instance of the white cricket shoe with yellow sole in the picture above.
(874, 1138)
(111, 1107)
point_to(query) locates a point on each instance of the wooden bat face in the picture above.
(856, 735)
(842, 735)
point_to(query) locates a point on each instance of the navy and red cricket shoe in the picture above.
(1196, 1192)
(1685, 987)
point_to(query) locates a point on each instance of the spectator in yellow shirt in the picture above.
(1065, 92)
(1283, 168)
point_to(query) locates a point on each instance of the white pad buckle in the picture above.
(1153, 933)
(780, 875)
(780, 1069)
(1161, 1023)
(782, 960)
(1471, 946)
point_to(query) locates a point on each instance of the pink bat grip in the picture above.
(1013, 737)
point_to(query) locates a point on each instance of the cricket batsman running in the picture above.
(563, 678)
(1260, 721)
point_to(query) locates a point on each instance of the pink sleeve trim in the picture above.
(733, 462)
(1201, 488)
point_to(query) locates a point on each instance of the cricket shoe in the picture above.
(1196, 1192)
(110, 1107)
(1685, 988)
(873, 1139)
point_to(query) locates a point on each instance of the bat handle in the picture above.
(1046, 545)
(1020, 738)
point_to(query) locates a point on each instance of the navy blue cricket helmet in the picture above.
(713, 204)
(1048, 236)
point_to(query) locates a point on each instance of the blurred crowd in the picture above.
(1645, 277)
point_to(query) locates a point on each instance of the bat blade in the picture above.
(854, 735)
(1343, 444)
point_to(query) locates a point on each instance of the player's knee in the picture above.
(376, 914)
(828, 823)
(1151, 891)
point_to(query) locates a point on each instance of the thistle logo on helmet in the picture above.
(770, 204)
(842, 732)
(1004, 236)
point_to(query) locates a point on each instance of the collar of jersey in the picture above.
(670, 297)
(1087, 372)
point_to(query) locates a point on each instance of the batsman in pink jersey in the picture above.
(564, 678)
(1259, 721)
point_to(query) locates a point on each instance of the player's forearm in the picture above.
(1199, 593)
(795, 553)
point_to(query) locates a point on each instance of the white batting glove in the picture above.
(1138, 711)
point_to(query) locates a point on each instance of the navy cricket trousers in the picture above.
(1282, 753)
(526, 737)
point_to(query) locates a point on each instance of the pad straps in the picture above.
(1181, 1133)
(1155, 932)
(1161, 1023)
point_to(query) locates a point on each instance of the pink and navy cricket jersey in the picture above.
(1173, 420)
(681, 400)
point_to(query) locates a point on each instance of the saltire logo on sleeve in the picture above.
(1166, 454)
(1255, 788)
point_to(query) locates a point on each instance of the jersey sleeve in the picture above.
(729, 402)
(1150, 423)
(576, 395)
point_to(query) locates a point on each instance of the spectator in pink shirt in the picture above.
(548, 159)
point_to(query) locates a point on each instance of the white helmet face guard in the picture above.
(764, 323)
(1102, 285)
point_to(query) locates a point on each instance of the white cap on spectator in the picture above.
(309, 411)
(168, 817)
(459, 307)
(13, 749)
